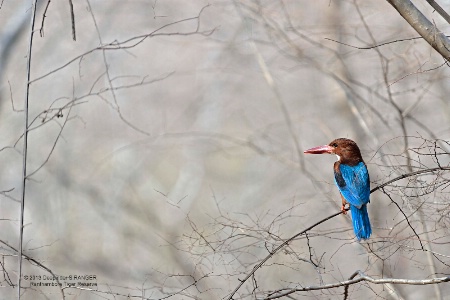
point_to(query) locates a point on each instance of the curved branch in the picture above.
(403, 176)
(361, 277)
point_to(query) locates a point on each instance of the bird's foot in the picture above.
(344, 211)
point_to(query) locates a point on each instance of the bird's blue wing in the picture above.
(353, 183)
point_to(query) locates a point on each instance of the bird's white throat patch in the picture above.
(338, 157)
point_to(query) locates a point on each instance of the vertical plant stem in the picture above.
(25, 144)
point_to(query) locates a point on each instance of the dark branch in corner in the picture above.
(440, 10)
(423, 26)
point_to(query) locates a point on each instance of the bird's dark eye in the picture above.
(334, 145)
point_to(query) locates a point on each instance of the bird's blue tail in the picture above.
(361, 223)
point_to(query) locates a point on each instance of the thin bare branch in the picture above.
(44, 15)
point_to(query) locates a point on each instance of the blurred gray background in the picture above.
(166, 147)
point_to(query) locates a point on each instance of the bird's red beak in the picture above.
(320, 150)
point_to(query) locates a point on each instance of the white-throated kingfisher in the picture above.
(352, 179)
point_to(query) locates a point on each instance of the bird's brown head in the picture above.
(346, 150)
